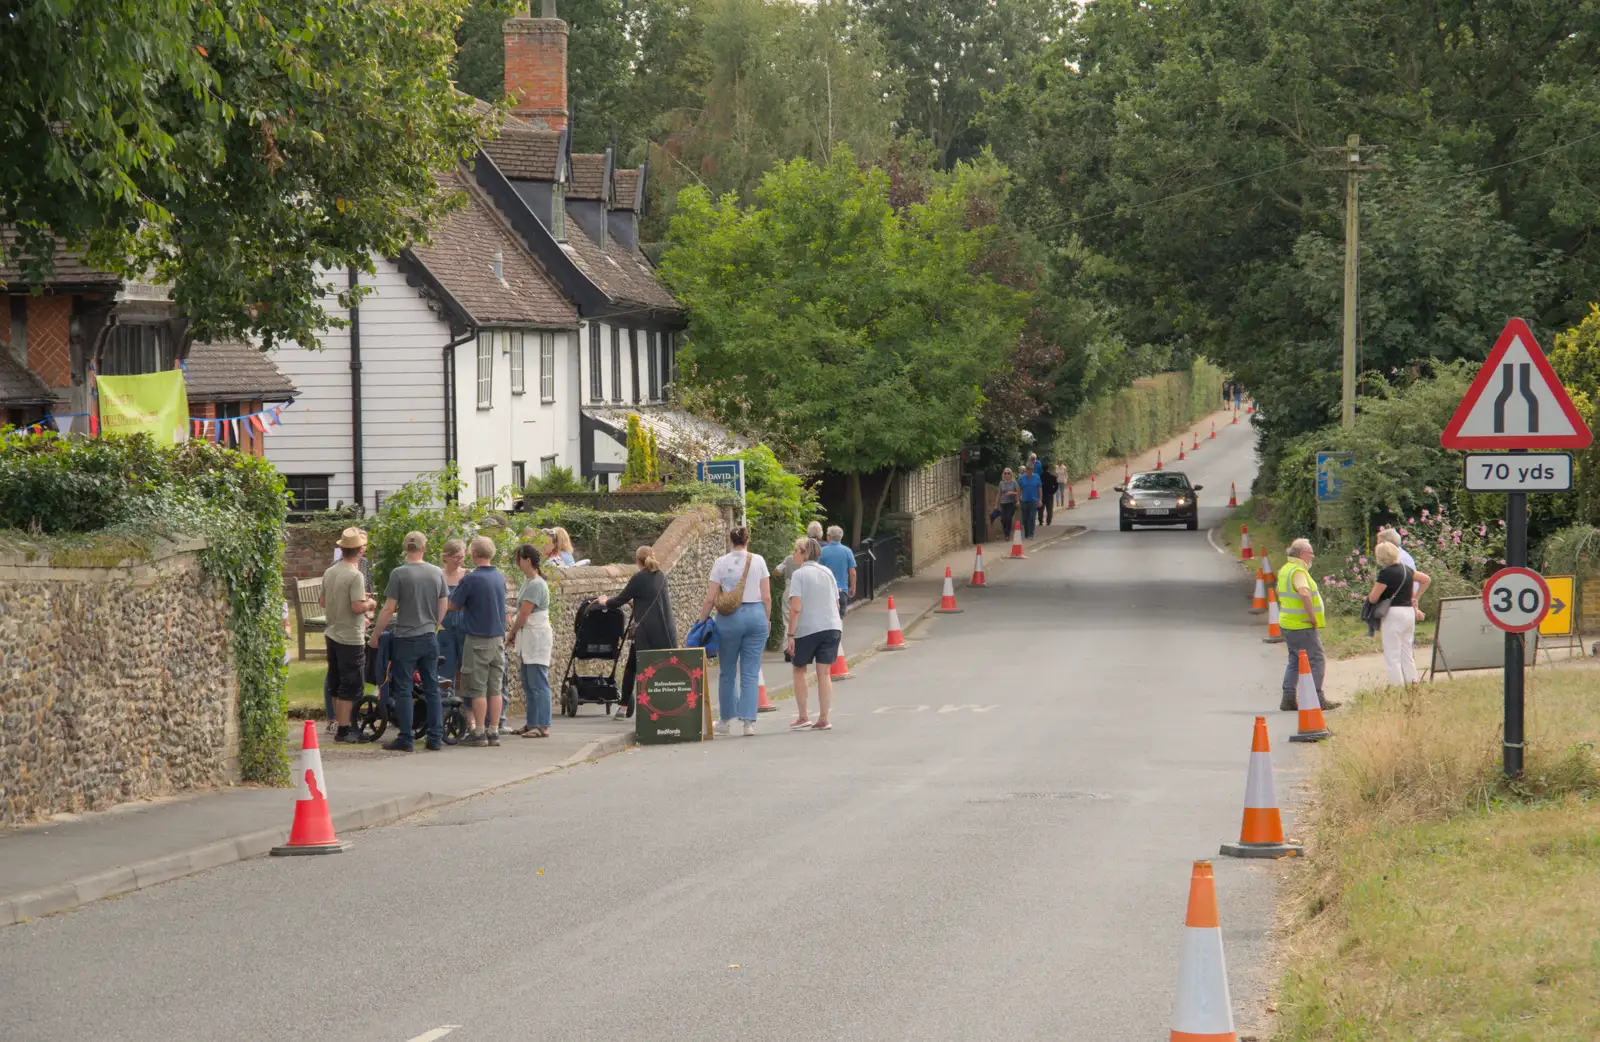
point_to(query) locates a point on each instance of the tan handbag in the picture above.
(728, 601)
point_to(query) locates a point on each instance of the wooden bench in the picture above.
(309, 612)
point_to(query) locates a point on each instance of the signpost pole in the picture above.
(1516, 557)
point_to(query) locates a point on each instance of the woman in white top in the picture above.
(786, 566)
(534, 640)
(815, 629)
(742, 635)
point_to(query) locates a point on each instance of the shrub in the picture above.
(1456, 556)
(560, 479)
(1136, 418)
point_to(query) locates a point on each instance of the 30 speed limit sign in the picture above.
(1516, 599)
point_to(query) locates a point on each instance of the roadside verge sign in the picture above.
(1519, 472)
(672, 697)
(1516, 599)
(1516, 401)
(1563, 604)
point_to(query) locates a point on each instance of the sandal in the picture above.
(527, 732)
(544, 732)
(823, 726)
(798, 724)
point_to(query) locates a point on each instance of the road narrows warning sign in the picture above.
(1516, 402)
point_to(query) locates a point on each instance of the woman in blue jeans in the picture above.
(453, 635)
(742, 633)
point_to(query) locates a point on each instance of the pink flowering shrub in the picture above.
(1456, 557)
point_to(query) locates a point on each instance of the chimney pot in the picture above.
(536, 67)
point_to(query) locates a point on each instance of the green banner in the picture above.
(155, 404)
(672, 697)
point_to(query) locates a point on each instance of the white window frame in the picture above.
(519, 362)
(597, 374)
(546, 465)
(486, 369)
(547, 367)
(479, 486)
(519, 474)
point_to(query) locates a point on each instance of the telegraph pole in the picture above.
(1353, 167)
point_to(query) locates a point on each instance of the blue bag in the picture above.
(703, 634)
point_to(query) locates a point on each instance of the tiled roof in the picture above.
(231, 372)
(622, 274)
(18, 384)
(461, 257)
(627, 187)
(69, 268)
(588, 176)
(522, 152)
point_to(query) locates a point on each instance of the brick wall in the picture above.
(49, 354)
(307, 551)
(536, 69)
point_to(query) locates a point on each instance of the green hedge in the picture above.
(1137, 418)
(131, 492)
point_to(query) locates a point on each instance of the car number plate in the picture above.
(1159, 510)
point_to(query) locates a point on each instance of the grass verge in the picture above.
(1442, 901)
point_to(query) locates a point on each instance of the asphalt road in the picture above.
(994, 844)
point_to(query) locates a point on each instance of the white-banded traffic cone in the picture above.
(312, 831)
(977, 569)
(1258, 598)
(1233, 494)
(1261, 832)
(1313, 728)
(763, 703)
(1203, 1011)
(1264, 569)
(1094, 493)
(840, 670)
(1245, 553)
(1072, 502)
(1213, 430)
(1274, 631)
(947, 602)
(897, 639)
(1196, 444)
(1181, 454)
(1159, 464)
(1016, 553)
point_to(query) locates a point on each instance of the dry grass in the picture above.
(1443, 903)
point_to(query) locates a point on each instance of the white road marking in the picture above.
(1211, 537)
(897, 709)
(974, 708)
(434, 1035)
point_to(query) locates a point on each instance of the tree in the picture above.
(822, 314)
(233, 152)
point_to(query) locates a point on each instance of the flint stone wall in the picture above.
(686, 551)
(116, 682)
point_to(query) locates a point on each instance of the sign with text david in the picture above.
(672, 697)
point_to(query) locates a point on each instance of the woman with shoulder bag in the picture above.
(1391, 607)
(740, 591)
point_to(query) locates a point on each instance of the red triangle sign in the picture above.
(1516, 402)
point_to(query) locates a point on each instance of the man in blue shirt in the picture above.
(1029, 484)
(841, 561)
(481, 599)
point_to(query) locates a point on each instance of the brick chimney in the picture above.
(536, 66)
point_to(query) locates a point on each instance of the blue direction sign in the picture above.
(724, 473)
(1330, 482)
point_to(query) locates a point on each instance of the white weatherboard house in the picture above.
(519, 339)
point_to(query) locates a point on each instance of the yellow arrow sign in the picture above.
(1558, 621)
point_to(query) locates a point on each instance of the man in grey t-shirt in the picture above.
(416, 599)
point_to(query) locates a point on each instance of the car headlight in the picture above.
(1182, 501)
(1133, 502)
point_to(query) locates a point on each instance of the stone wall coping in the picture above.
(67, 565)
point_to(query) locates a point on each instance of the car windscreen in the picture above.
(1159, 483)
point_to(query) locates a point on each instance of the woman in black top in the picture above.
(653, 626)
(1395, 593)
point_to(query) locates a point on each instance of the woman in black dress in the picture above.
(652, 627)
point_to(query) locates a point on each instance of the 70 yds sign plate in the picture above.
(1516, 599)
(1519, 472)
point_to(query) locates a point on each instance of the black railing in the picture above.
(879, 562)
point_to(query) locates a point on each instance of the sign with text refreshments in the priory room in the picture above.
(672, 696)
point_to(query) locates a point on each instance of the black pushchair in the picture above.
(598, 636)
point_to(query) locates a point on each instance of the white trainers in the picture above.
(749, 728)
(722, 727)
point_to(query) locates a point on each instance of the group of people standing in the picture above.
(1034, 491)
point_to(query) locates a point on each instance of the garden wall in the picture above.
(116, 681)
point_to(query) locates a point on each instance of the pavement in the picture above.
(993, 844)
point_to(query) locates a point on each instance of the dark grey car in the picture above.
(1159, 497)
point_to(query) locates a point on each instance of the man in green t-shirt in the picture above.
(345, 604)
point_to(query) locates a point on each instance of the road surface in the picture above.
(994, 844)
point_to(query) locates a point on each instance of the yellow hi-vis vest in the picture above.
(1291, 609)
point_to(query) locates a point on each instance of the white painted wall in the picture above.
(621, 394)
(516, 427)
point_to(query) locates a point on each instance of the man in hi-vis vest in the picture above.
(1301, 617)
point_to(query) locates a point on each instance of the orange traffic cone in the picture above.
(1245, 553)
(1252, 409)
(947, 603)
(1016, 553)
(1213, 430)
(1094, 493)
(1125, 474)
(1258, 599)
(1233, 494)
(1072, 502)
(1265, 571)
(977, 569)
(1159, 464)
(1235, 414)
(840, 670)
(1261, 833)
(763, 703)
(1312, 727)
(897, 639)
(1196, 444)
(312, 831)
(1203, 1011)
(1181, 454)
(1274, 631)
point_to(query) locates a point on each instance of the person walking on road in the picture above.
(841, 561)
(416, 599)
(1010, 497)
(1029, 485)
(1049, 487)
(1394, 596)
(815, 628)
(481, 598)
(534, 639)
(785, 566)
(1301, 618)
(740, 590)
(652, 625)
(346, 606)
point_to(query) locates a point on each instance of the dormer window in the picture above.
(558, 212)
